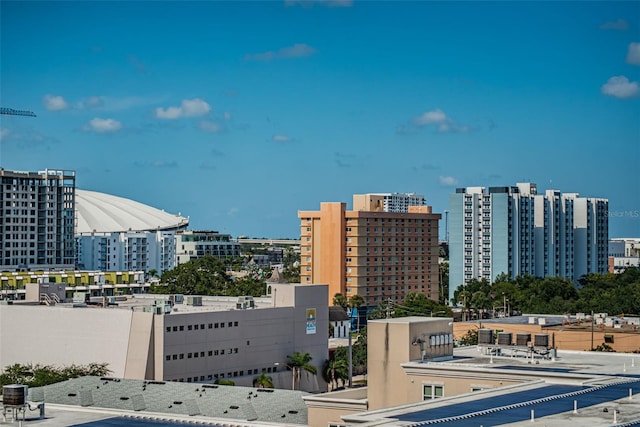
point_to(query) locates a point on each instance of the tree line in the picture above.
(40, 375)
(609, 293)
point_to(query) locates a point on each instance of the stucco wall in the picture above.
(63, 336)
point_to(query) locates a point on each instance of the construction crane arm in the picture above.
(12, 112)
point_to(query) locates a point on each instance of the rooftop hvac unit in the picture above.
(541, 340)
(523, 339)
(504, 338)
(194, 300)
(245, 302)
(485, 336)
(14, 395)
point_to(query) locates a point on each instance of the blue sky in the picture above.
(239, 114)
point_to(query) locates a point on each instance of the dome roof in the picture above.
(102, 212)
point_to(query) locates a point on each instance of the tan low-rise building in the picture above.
(622, 335)
(416, 375)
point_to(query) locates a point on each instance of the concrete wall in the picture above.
(63, 336)
(392, 342)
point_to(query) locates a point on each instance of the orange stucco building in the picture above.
(367, 251)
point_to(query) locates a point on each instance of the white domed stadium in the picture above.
(104, 213)
(118, 234)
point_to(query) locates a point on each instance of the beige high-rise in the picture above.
(378, 255)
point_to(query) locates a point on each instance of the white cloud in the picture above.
(282, 138)
(430, 117)
(227, 116)
(54, 102)
(188, 108)
(620, 87)
(103, 125)
(298, 50)
(211, 126)
(448, 181)
(620, 24)
(4, 132)
(233, 211)
(438, 119)
(633, 54)
(90, 102)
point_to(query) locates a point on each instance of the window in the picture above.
(432, 391)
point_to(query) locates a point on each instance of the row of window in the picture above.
(196, 355)
(233, 374)
(199, 326)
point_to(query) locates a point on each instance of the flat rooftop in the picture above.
(599, 383)
(95, 398)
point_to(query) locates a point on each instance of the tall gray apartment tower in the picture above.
(37, 214)
(516, 231)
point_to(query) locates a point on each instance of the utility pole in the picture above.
(389, 308)
(350, 359)
(592, 319)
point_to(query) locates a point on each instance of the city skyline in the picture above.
(240, 114)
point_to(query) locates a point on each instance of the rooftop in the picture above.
(174, 401)
(104, 213)
(593, 380)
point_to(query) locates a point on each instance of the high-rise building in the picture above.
(37, 210)
(516, 231)
(367, 251)
(398, 202)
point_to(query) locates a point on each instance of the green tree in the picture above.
(336, 370)
(291, 266)
(358, 353)
(470, 338)
(207, 276)
(224, 382)
(299, 362)
(263, 381)
(41, 375)
(340, 300)
(443, 269)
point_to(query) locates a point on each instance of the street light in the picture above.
(293, 374)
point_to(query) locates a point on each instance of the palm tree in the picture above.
(341, 300)
(337, 369)
(263, 381)
(299, 362)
